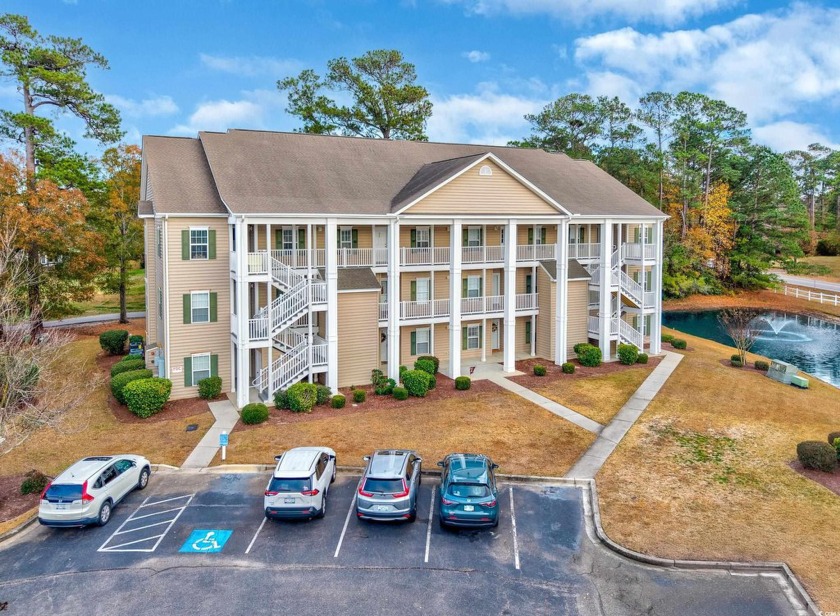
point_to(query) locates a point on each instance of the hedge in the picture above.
(145, 397)
(432, 359)
(817, 455)
(254, 413)
(669, 338)
(426, 365)
(400, 393)
(539, 370)
(679, 343)
(736, 363)
(210, 387)
(416, 382)
(628, 354)
(127, 366)
(302, 397)
(642, 358)
(34, 482)
(113, 341)
(338, 401)
(359, 396)
(322, 394)
(119, 382)
(281, 399)
(568, 368)
(126, 358)
(589, 355)
(135, 338)
(462, 383)
(760, 364)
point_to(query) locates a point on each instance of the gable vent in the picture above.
(485, 170)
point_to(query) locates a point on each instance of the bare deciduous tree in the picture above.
(739, 324)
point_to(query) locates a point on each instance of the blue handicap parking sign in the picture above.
(223, 439)
(206, 541)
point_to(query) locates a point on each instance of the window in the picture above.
(529, 283)
(473, 337)
(345, 237)
(199, 244)
(384, 284)
(200, 307)
(423, 341)
(485, 170)
(160, 304)
(474, 236)
(473, 286)
(200, 367)
(294, 486)
(288, 239)
(422, 293)
(539, 236)
(422, 237)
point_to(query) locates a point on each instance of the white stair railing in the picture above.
(630, 334)
(632, 289)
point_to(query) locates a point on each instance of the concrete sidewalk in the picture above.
(593, 459)
(226, 417)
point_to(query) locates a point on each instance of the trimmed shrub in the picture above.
(580, 346)
(836, 445)
(34, 482)
(126, 358)
(382, 385)
(281, 399)
(135, 338)
(400, 393)
(735, 357)
(833, 436)
(539, 370)
(669, 338)
(127, 366)
(679, 343)
(762, 365)
(432, 382)
(322, 394)
(402, 369)
(426, 365)
(736, 363)
(113, 341)
(817, 455)
(119, 382)
(462, 383)
(145, 397)
(338, 401)
(210, 387)
(359, 395)
(432, 359)
(590, 355)
(568, 368)
(302, 397)
(642, 358)
(628, 354)
(254, 413)
(416, 382)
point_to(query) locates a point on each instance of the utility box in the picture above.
(782, 371)
(800, 381)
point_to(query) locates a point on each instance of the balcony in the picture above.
(438, 255)
(584, 251)
(536, 252)
(470, 306)
(637, 252)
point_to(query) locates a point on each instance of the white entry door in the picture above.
(497, 283)
(380, 245)
(495, 327)
(383, 346)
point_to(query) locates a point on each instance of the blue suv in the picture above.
(468, 495)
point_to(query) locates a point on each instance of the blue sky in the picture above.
(180, 66)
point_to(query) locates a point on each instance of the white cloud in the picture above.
(255, 109)
(148, 107)
(767, 65)
(476, 56)
(662, 11)
(786, 135)
(251, 66)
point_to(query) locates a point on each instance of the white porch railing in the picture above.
(536, 252)
(258, 262)
(319, 352)
(258, 328)
(637, 251)
(318, 292)
(650, 299)
(584, 251)
(527, 301)
(593, 325)
(631, 288)
(300, 257)
(383, 311)
(422, 310)
(362, 257)
(436, 255)
(482, 254)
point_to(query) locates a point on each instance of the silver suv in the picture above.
(87, 492)
(388, 487)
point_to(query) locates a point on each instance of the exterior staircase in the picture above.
(628, 289)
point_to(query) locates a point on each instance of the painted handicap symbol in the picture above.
(206, 541)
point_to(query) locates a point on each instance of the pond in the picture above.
(809, 343)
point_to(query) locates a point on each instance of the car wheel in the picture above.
(144, 479)
(442, 523)
(412, 516)
(323, 510)
(332, 479)
(104, 514)
(496, 523)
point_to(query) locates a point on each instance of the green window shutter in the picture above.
(464, 338)
(530, 235)
(528, 282)
(543, 235)
(466, 236)
(527, 332)
(211, 244)
(464, 294)
(481, 287)
(414, 238)
(214, 365)
(188, 372)
(187, 309)
(480, 336)
(413, 293)
(214, 307)
(301, 238)
(355, 238)
(185, 245)
(636, 235)
(278, 239)
(481, 236)
(414, 343)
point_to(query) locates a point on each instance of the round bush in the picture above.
(736, 363)
(762, 365)
(568, 368)
(359, 395)
(322, 394)
(669, 338)
(590, 356)
(302, 397)
(432, 382)
(817, 455)
(432, 359)
(679, 343)
(642, 358)
(119, 382)
(462, 383)
(135, 338)
(627, 354)
(127, 366)
(145, 397)
(832, 436)
(403, 369)
(210, 388)
(254, 413)
(426, 365)
(385, 387)
(338, 401)
(400, 393)
(113, 341)
(34, 482)
(416, 382)
(539, 370)
(735, 357)
(579, 346)
(281, 399)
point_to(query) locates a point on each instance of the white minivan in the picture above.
(300, 482)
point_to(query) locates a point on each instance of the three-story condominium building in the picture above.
(278, 257)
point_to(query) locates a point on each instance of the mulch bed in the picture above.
(553, 371)
(750, 367)
(828, 480)
(12, 502)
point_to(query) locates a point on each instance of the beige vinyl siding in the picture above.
(521, 274)
(184, 277)
(471, 193)
(493, 235)
(365, 235)
(522, 234)
(521, 344)
(158, 278)
(441, 235)
(441, 342)
(577, 314)
(150, 275)
(358, 337)
(545, 318)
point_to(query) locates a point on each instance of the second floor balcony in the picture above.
(470, 306)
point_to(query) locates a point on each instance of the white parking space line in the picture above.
(515, 541)
(118, 547)
(169, 521)
(149, 515)
(256, 534)
(145, 503)
(131, 530)
(346, 523)
(429, 525)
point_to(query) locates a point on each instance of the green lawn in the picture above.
(107, 303)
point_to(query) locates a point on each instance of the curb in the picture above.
(19, 528)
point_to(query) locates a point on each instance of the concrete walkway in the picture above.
(226, 417)
(96, 318)
(593, 459)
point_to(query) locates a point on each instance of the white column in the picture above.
(309, 315)
(605, 307)
(455, 299)
(656, 275)
(509, 350)
(242, 359)
(330, 256)
(484, 333)
(561, 298)
(394, 300)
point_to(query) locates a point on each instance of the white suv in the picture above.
(87, 492)
(298, 488)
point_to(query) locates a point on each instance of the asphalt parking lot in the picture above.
(196, 543)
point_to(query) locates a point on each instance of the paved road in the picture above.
(96, 318)
(339, 565)
(812, 283)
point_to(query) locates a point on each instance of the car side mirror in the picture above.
(494, 466)
(133, 464)
(418, 460)
(366, 458)
(277, 457)
(440, 463)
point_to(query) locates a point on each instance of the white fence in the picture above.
(812, 296)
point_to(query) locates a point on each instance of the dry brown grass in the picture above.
(518, 435)
(93, 429)
(704, 472)
(598, 397)
(832, 263)
(767, 300)
(17, 521)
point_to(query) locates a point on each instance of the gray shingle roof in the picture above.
(576, 270)
(355, 279)
(144, 208)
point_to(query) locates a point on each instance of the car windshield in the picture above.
(65, 492)
(468, 490)
(385, 486)
(289, 485)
